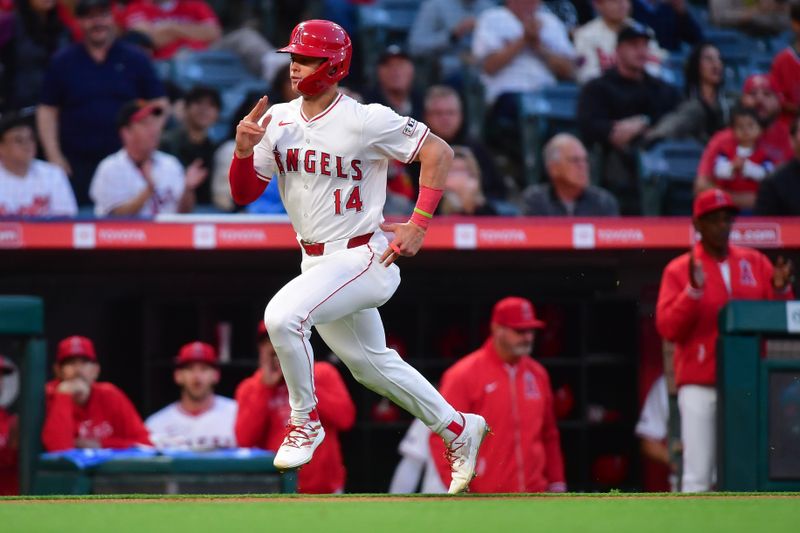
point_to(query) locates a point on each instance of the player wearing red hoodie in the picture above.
(264, 410)
(84, 413)
(9, 442)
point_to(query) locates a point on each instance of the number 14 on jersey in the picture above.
(353, 201)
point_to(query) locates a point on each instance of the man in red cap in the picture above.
(82, 412)
(263, 401)
(694, 288)
(138, 179)
(760, 95)
(9, 442)
(200, 420)
(504, 384)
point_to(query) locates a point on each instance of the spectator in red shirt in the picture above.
(740, 162)
(173, 24)
(263, 402)
(758, 94)
(501, 382)
(84, 413)
(9, 442)
(694, 288)
(785, 70)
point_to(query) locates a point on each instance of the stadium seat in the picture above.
(668, 172)
(381, 23)
(543, 114)
(672, 70)
(215, 68)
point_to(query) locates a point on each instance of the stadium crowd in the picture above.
(102, 116)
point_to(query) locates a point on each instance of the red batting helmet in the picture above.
(326, 39)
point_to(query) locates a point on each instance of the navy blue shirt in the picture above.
(89, 95)
(671, 27)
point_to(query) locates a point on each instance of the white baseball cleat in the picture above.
(299, 444)
(462, 453)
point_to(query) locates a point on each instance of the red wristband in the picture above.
(427, 202)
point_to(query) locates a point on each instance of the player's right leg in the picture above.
(329, 288)
(360, 342)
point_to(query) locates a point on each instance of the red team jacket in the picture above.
(690, 321)
(523, 453)
(9, 457)
(108, 416)
(264, 412)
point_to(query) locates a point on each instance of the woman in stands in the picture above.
(705, 109)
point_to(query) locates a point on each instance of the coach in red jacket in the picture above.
(501, 382)
(84, 413)
(694, 288)
(263, 402)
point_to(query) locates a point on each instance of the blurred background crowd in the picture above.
(554, 107)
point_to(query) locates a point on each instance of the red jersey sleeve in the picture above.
(245, 185)
(335, 407)
(58, 431)
(252, 416)
(677, 309)
(129, 430)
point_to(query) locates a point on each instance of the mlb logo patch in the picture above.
(410, 127)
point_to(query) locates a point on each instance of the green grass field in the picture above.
(617, 513)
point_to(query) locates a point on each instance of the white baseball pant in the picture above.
(338, 292)
(698, 408)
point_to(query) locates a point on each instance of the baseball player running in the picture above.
(330, 154)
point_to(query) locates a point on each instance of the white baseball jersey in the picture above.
(416, 446)
(172, 427)
(43, 192)
(654, 419)
(332, 168)
(118, 180)
(495, 28)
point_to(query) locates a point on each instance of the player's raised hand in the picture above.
(407, 241)
(697, 278)
(783, 274)
(249, 132)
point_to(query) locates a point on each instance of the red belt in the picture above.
(318, 248)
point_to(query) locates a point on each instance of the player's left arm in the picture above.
(435, 157)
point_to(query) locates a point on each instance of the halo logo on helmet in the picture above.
(325, 39)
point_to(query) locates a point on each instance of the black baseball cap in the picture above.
(199, 92)
(633, 30)
(136, 110)
(85, 7)
(392, 51)
(15, 119)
